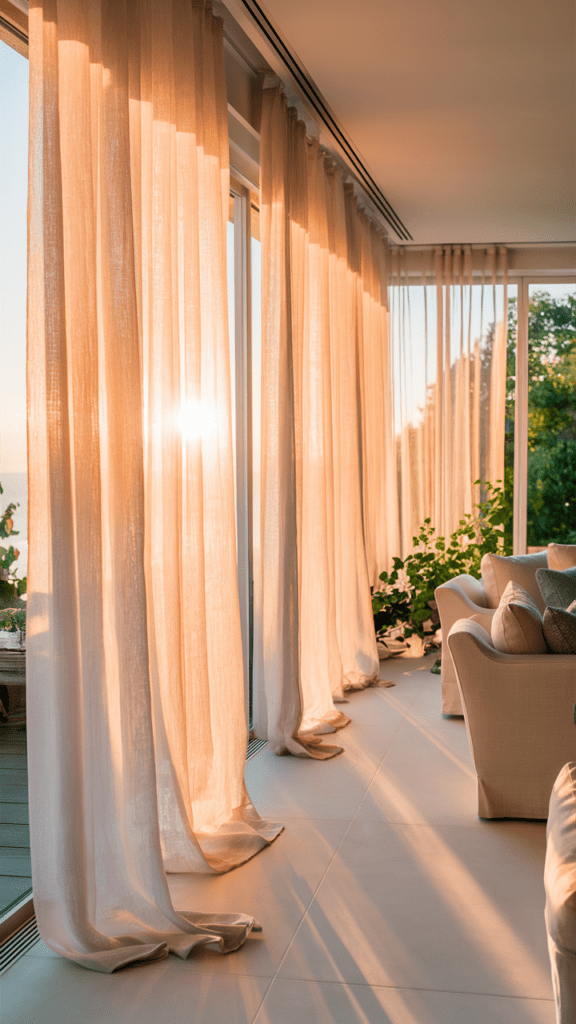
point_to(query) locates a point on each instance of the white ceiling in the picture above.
(464, 111)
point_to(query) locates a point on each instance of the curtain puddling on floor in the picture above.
(316, 636)
(137, 730)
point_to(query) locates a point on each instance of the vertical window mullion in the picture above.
(240, 400)
(521, 424)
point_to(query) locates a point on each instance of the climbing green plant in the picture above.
(407, 595)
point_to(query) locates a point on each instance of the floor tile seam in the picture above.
(424, 824)
(312, 897)
(313, 818)
(337, 847)
(415, 988)
(171, 962)
(174, 963)
(381, 761)
(264, 994)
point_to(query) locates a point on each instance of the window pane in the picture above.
(231, 271)
(512, 337)
(551, 415)
(15, 872)
(255, 378)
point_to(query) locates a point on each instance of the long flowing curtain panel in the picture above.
(448, 336)
(377, 394)
(136, 716)
(315, 636)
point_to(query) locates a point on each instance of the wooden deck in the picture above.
(15, 869)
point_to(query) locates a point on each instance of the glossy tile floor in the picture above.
(385, 900)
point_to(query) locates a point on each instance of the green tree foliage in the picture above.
(407, 595)
(552, 417)
(552, 492)
(11, 587)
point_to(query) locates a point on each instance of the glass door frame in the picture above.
(520, 520)
(242, 401)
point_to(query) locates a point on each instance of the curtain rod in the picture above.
(318, 104)
(479, 245)
(14, 30)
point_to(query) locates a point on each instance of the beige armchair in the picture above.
(519, 712)
(560, 887)
(465, 596)
(459, 598)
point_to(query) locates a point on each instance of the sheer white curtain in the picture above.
(317, 635)
(136, 720)
(448, 327)
(369, 256)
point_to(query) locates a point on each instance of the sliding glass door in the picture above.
(15, 870)
(244, 325)
(545, 415)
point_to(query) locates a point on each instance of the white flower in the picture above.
(402, 584)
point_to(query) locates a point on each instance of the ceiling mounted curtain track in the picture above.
(14, 31)
(316, 101)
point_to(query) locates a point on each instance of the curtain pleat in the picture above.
(134, 672)
(317, 637)
(451, 429)
(377, 396)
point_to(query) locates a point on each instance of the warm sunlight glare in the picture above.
(197, 419)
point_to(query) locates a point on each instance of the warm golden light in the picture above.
(197, 419)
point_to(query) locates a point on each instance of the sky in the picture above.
(13, 189)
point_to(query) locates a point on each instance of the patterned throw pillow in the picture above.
(557, 588)
(517, 623)
(560, 629)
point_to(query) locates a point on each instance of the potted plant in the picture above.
(11, 586)
(406, 603)
(13, 618)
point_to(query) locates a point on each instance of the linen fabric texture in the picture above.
(560, 629)
(451, 414)
(519, 717)
(136, 712)
(561, 556)
(560, 887)
(517, 623)
(498, 570)
(314, 629)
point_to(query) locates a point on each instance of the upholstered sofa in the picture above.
(465, 596)
(560, 887)
(519, 713)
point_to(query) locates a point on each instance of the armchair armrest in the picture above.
(461, 598)
(519, 712)
(468, 587)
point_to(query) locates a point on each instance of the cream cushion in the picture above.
(517, 623)
(558, 589)
(560, 886)
(560, 629)
(480, 620)
(498, 570)
(561, 556)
